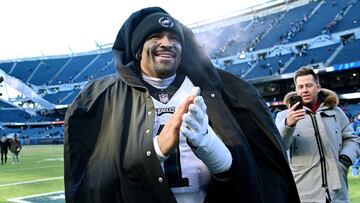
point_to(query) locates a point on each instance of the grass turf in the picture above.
(37, 162)
(41, 162)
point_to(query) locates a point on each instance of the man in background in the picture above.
(320, 141)
(4, 146)
(15, 147)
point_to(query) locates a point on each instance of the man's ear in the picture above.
(319, 87)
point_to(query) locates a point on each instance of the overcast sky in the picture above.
(31, 28)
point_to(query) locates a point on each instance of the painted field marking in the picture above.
(59, 196)
(31, 181)
(25, 169)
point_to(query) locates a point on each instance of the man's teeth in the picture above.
(165, 55)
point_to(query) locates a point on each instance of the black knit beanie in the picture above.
(153, 23)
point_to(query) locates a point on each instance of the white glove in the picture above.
(206, 145)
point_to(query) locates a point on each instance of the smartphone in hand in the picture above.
(294, 99)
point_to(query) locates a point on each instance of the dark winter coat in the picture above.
(15, 146)
(4, 145)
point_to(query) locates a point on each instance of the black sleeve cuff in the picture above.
(345, 160)
(223, 176)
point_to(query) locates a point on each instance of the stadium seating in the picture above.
(311, 56)
(47, 69)
(324, 15)
(268, 66)
(24, 69)
(6, 66)
(290, 22)
(268, 40)
(350, 20)
(350, 53)
(10, 113)
(238, 69)
(250, 37)
(70, 70)
(91, 72)
(57, 97)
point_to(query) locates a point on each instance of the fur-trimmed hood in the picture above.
(330, 98)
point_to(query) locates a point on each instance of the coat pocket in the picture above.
(303, 149)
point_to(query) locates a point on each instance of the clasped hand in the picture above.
(195, 123)
(190, 119)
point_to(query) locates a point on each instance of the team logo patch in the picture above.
(164, 98)
(166, 21)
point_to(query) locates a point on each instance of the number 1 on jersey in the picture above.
(172, 168)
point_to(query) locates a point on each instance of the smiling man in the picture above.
(169, 127)
(161, 62)
(321, 143)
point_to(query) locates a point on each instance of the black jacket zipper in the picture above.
(322, 155)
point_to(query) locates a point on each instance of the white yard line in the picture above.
(24, 169)
(19, 199)
(31, 181)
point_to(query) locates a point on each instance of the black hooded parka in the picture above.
(109, 153)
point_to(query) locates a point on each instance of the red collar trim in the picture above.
(315, 106)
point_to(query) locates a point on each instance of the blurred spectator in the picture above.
(4, 145)
(329, 27)
(15, 147)
(356, 126)
(271, 71)
(280, 63)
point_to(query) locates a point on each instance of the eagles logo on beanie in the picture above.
(153, 23)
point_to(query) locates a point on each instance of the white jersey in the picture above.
(193, 173)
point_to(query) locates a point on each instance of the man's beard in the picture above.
(164, 71)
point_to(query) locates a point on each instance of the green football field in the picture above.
(39, 176)
(41, 170)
